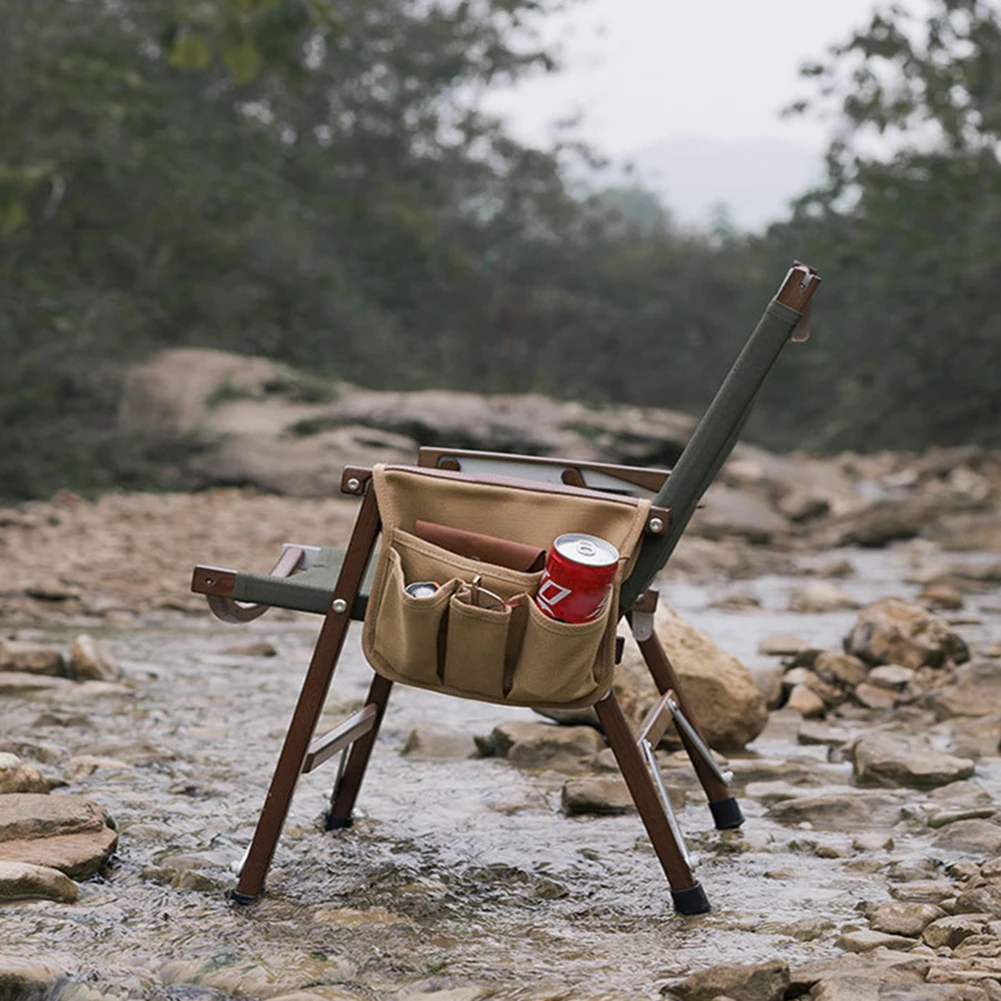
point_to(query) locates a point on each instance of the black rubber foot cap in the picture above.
(692, 901)
(241, 898)
(726, 814)
(332, 823)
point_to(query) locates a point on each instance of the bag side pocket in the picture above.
(410, 632)
(558, 659)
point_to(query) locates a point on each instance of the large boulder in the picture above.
(729, 512)
(893, 631)
(728, 706)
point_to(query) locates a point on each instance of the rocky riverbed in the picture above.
(142, 728)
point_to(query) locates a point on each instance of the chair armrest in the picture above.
(217, 585)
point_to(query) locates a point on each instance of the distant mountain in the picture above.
(755, 179)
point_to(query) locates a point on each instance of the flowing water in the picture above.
(460, 877)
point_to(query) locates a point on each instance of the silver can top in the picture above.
(588, 550)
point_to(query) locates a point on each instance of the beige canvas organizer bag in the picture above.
(513, 654)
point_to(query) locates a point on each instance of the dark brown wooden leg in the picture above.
(689, 897)
(310, 705)
(723, 805)
(342, 800)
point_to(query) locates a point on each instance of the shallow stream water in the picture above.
(458, 876)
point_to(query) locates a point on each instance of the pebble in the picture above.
(891, 676)
(90, 660)
(16, 775)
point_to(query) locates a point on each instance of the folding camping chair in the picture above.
(511, 653)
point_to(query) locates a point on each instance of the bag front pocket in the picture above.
(410, 633)
(476, 651)
(558, 659)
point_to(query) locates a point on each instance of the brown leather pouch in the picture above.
(488, 548)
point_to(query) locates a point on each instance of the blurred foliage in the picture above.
(312, 180)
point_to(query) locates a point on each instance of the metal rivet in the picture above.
(353, 485)
(340, 606)
(656, 525)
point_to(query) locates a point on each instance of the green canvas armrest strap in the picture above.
(720, 427)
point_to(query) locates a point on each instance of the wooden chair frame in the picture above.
(675, 497)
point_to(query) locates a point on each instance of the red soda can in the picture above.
(578, 578)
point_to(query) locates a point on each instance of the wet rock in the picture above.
(92, 661)
(984, 899)
(77, 855)
(257, 976)
(821, 596)
(727, 704)
(536, 745)
(759, 982)
(597, 795)
(737, 601)
(806, 702)
(925, 891)
(767, 679)
(975, 837)
(782, 645)
(872, 842)
(972, 532)
(349, 917)
(943, 817)
(976, 737)
(840, 668)
(260, 649)
(86, 764)
(865, 940)
(860, 971)
(883, 521)
(950, 931)
(772, 792)
(853, 988)
(441, 743)
(24, 683)
(972, 690)
(941, 596)
(840, 811)
(890, 759)
(21, 881)
(891, 676)
(727, 512)
(960, 795)
(873, 697)
(28, 979)
(900, 918)
(29, 815)
(31, 658)
(18, 776)
(821, 733)
(67, 833)
(892, 631)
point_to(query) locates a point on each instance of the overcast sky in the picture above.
(649, 76)
(645, 70)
